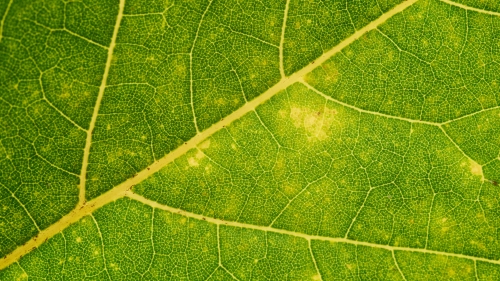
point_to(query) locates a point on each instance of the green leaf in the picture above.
(250, 140)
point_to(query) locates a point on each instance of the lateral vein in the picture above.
(2, 22)
(367, 111)
(465, 7)
(308, 237)
(88, 142)
(282, 40)
(191, 90)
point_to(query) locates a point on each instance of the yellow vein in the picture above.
(4, 17)
(282, 40)
(308, 237)
(88, 142)
(86, 208)
(397, 265)
(471, 8)
(318, 277)
(191, 90)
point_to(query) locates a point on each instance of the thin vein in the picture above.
(367, 111)
(282, 40)
(64, 115)
(190, 215)
(191, 67)
(470, 115)
(57, 109)
(471, 8)
(102, 245)
(2, 22)
(85, 38)
(22, 206)
(250, 36)
(429, 219)
(314, 260)
(455, 144)
(397, 265)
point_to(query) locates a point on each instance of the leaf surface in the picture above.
(248, 140)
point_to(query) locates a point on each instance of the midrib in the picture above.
(119, 191)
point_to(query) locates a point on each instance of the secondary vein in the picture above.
(308, 237)
(102, 88)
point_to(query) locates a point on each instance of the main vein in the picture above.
(119, 191)
(102, 88)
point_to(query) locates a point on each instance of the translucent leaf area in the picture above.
(250, 140)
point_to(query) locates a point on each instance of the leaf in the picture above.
(224, 139)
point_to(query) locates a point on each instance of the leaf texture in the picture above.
(249, 140)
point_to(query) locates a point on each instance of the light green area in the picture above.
(342, 155)
(127, 240)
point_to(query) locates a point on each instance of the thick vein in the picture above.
(4, 17)
(471, 8)
(88, 142)
(86, 208)
(282, 40)
(308, 237)
(191, 90)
